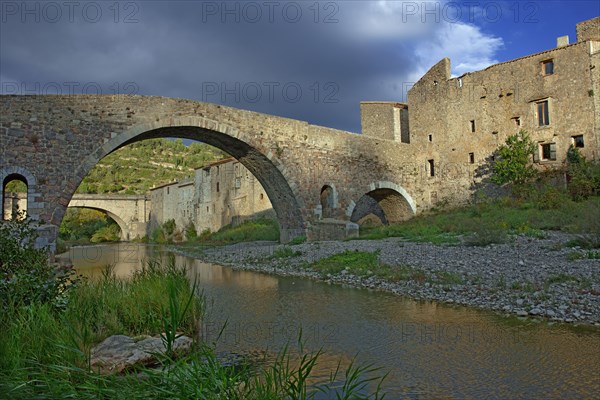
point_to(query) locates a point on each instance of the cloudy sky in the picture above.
(308, 60)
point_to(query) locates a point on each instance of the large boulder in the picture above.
(120, 353)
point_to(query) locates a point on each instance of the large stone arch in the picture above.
(125, 233)
(275, 179)
(384, 201)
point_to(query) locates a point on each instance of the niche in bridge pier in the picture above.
(328, 200)
(14, 197)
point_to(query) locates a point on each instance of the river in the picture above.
(431, 350)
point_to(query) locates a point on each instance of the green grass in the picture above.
(45, 354)
(285, 252)
(492, 221)
(248, 231)
(95, 311)
(362, 263)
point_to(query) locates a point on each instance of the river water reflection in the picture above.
(431, 350)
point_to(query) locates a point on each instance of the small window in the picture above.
(472, 158)
(430, 137)
(262, 196)
(543, 113)
(217, 187)
(517, 121)
(578, 141)
(431, 168)
(547, 67)
(547, 152)
(472, 124)
(207, 209)
(168, 190)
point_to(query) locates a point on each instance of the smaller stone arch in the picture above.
(328, 200)
(385, 203)
(18, 173)
(125, 232)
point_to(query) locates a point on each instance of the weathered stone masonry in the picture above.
(219, 194)
(409, 158)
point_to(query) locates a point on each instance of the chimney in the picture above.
(562, 41)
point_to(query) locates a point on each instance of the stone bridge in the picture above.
(130, 212)
(313, 175)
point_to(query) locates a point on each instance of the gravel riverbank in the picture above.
(526, 277)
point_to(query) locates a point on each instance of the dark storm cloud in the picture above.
(278, 64)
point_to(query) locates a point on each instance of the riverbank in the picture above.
(527, 277)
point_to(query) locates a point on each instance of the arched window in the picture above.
(14, 201)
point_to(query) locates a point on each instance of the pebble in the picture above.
(492, 277)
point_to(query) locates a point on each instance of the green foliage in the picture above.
(15, 186)
(135, 168)
(514, 161)
(174, 316)
(491, 221)
(44, 354)
(247, 231)
(26, 276)
(297, 240)
(356, 262)
(169, 227)
(583, 176)
(190, 232)
(110, 233)
(166, 233)
(81, 224)
(285, 252)
(365, 264)
(158, 236)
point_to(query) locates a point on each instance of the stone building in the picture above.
(219, 194)
(453, 125)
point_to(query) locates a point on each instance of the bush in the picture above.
(583, 177)
(190, 232)
(513, 164)
(26, 275)
(169, 227)
(110, 233)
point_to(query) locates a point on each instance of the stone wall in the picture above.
(459, 122)
(588, 30)
(220, 194)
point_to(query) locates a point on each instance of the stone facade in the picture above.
(456, 123)
(411, 157)
(222, 193)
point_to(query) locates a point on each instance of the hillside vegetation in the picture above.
(134, 169)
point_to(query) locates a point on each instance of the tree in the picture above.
(583, 177)
(513, 164)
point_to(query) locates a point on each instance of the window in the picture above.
(430, 137)
(578, 141)
(547, 152)
(14, 199)
(217, 187)
(472, 158)
(517, 121)
(472, 124)
(547, 67)
(431, 167)
(542, 113)
(262, 196)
